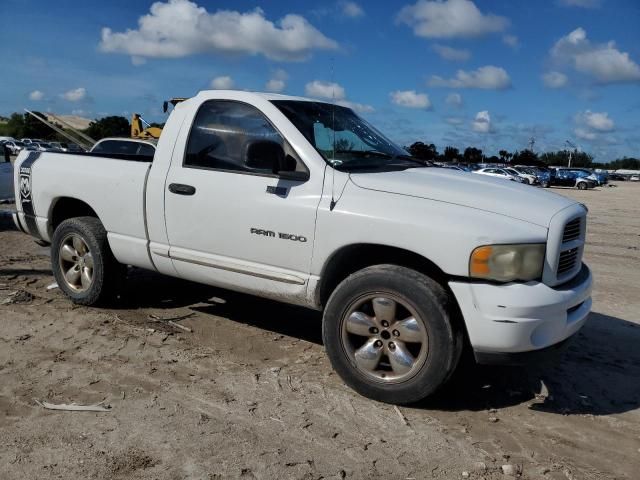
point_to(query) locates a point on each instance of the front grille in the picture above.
(565, 245)
(567, 260)
(572, 230)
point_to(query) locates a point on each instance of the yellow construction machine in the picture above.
(143, 130)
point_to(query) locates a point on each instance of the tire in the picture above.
(80, 248)
(351, 308)
(582, 186)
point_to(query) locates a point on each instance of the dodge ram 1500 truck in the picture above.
(305, 202)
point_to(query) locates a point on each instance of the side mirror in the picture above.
(264, 155)
(269, 155)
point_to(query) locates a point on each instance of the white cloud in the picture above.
(351, 9)
(277, 82)
(554, 79)
(326, 90)
(80, 112)
(178, 28)
(450, 53)
(75, 95)
(224, 82)
(487, 77)
(450, 19)
(511, 40)
(583, 134)
(454, 100)
(603, 62)
(36, 95)
(357, 107)
(580, 3)
(410, 99)
(599, 121)
(454, 120)
(482, 122)
(334, 91)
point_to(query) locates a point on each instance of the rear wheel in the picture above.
(389, 334)
(82, 262)
(582, 186)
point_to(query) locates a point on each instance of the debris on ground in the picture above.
(96, 407)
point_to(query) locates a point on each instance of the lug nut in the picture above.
(378, 344)
(373, 330)
(385, 324)
(392, 346)
(396, 333)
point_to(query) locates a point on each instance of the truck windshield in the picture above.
(346, 141)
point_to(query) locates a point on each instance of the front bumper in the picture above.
(522, 317)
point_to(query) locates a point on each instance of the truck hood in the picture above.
(482, 192)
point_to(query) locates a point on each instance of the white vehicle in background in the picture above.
(45, 147)
(14, 146)
(634, 178)
(253, 192)
(525, 173)
(499, 173)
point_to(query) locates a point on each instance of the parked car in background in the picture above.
(635, 178)
(600, 177)
(567, 177)
(532, 174)
(59, 146)
(617, 177)
(499, 173)
(124, 146)
(6, 181)
(32, 140)
(45, 147)
(14, 146)
(520, 172)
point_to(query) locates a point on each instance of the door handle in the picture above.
(181, 189)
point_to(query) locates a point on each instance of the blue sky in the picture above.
(488, 73)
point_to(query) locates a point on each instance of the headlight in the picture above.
(507, 263)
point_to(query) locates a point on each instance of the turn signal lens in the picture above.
(507, 263)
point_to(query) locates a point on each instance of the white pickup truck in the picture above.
(304, 202)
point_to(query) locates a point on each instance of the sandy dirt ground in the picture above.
(250, 394)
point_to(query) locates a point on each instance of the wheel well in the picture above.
(65, 208)
(352, 258)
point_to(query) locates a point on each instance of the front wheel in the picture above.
(82, 262)
(582, 186)
(389, 334)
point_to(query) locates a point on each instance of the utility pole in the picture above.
(571, 145)
(532, 142)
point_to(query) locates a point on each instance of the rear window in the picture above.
(146, 149)
(121, 147)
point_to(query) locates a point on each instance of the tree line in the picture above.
(558, 158)
(25, 126)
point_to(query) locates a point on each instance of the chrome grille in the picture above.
(567, 260)
(565, 245)
(572, 230)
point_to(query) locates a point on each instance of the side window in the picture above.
(228, 135)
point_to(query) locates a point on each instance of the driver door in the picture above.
(231, 221)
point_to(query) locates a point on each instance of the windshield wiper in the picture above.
(365, 153)
(422, 163)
